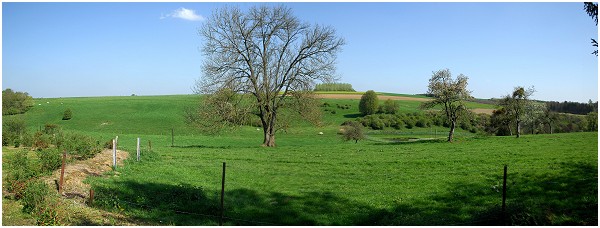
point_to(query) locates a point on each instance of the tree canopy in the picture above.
(270, 58)
(15, 102)
(449, 94)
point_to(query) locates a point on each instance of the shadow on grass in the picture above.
(353, 115)
(566, 199)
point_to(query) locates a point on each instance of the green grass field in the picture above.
(312, 179)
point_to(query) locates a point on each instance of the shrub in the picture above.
(34, 195)
(80, 146)
(22, 170)
(51, 128)
(12, 130)
(68, 114)
(377, 124)
(41, 140)
(390, 107)
(368, 103)
(50, 159)
(352, 130)
(422, 122)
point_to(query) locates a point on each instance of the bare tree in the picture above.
(269, 55)
(450, 94)
(515, 105)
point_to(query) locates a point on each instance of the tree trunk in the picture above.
(269, 140)
(451, 133)
(518, 129)
(269, 131)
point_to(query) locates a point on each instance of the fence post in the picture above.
(62, 172)
(138, 149)
(172, 137)
(91, 202)
(222, 195)
(504, 195)
(149, 145)
(114, 154)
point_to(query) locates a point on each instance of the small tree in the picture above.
(592, 121)
(352, 130)
(389, 107)
(515, 105)
(450, 94)
(68, 114)
(368, 103)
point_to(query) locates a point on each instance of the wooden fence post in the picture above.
(504, 194)
(138, 149)
(62, 172)
(222, 195)
(172, 137)
(149, 145)
(114, 154)
(91, 202)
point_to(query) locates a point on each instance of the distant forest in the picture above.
(555, 106)
(572, 107)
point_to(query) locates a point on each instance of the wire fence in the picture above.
(493, 176)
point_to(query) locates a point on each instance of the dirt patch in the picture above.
(76, 193)
(76, 172)
(483, 110)
(381, 97)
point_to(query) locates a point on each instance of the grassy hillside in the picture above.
(312, 179)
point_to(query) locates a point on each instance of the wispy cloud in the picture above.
(183, 13)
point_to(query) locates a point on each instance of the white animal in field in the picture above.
(320, 133)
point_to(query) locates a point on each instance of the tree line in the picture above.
(15, 102)
(347, 87)
(572, 107)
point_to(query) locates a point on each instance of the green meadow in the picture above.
(314, 179)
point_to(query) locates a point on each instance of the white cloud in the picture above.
(183, 13)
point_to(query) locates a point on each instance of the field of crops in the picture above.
(314, 179)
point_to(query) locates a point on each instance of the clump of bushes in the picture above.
(12, 131)
(389, 107)
(352, 130)
(68, 114)
(346, 106)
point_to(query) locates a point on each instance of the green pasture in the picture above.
(313, 179)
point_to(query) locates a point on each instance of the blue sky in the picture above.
(106, 49)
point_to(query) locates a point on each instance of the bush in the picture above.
(377, 124)
(390, 107)
(80, 146)
(352, 130)
(368, 103)
(41, 140)
(12, 130)
(34, 195)
(51, 129)
(68, 114)
(50, 159)
(21, 171)
(423, 122)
